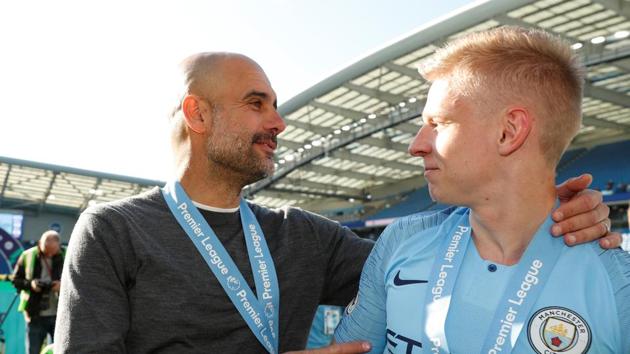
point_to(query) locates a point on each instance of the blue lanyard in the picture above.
(261, 312)
(521, 293)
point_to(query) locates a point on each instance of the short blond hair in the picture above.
(529, 65)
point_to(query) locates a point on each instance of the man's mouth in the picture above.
(268, 140)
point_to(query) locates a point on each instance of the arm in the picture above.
(365, 318)
(344, 254)
(582, 216)
(93, 312)
(19, 275)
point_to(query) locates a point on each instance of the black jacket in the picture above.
(22, 283)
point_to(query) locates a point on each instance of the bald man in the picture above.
(37, 275)
(192, 267)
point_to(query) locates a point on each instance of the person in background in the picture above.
(37, 275)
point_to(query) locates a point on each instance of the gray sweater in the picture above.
(133, 282)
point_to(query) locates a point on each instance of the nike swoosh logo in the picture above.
(400, 282)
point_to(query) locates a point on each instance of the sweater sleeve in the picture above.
(93, 314)
(344, 254)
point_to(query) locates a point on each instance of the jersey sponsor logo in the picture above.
(352, 305)
(558, 330)
(396, 339)
(401, 282)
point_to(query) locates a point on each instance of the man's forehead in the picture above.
(248, 77)
(439, 98)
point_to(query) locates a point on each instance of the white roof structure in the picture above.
(344, 152)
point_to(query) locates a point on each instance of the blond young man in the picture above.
(486, 278)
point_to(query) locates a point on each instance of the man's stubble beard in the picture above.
(235, 153)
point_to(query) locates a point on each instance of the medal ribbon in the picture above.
(521, 293)
(261, 312)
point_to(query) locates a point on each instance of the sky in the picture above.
(86, 84)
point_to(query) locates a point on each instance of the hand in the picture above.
(343, 348)
(55, 285)
(582, 215)
(34, 286)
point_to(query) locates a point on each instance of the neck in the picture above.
(504, 225)
(211, 187)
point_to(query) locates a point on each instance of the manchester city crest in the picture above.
(558, 330)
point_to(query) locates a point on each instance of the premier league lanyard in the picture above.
(521, 293)
(251, 308)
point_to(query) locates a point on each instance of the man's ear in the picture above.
(193, 108)
(516, 125)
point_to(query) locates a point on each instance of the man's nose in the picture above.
(421, 144)
(275, 122)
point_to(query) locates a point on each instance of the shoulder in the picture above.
(29, 251)
(296, 218)
(130, 207)
(616, 263)
(419, 227)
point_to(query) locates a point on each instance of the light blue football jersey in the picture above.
(584, 306)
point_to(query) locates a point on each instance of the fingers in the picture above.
(344, 348)
(567, 189)
(590, 220)
(581, 203)
(592, 233)
(611, 240)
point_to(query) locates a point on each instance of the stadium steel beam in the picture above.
(323, 170)
(309, 127)
(291, 145)
(601, 123)
(618, 6)
(347, 155)
(623, 64)
(607, 95)
(405, 70)
(357, 133)
(345, 112)
(5, 183)
(47, 193)
(319, 186)
(587, 142)
(378, 94)
(356, 115)
(90, 196)
(344, 154)
(382, 143)
(77, 171)
(316, 193)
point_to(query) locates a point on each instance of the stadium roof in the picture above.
(41, 187)
(345, 147)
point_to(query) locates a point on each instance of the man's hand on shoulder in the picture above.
(582, 216)
(343, 348)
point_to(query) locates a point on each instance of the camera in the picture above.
(45, 285)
